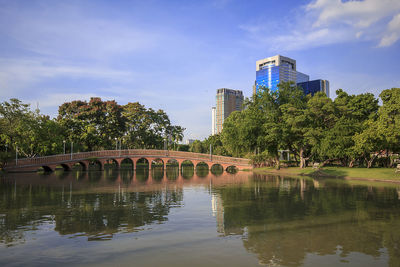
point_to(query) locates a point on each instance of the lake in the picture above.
(195, 218)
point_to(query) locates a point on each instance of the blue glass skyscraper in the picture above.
(274, 70)
(312, 87)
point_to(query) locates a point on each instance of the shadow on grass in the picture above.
(328, 173)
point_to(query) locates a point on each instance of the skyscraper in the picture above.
(273, 70)
(312, 87)
(227, 101)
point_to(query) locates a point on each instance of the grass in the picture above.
(372, 174)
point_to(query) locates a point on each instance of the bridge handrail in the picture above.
(124, 152)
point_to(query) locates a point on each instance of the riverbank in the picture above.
(372, 174)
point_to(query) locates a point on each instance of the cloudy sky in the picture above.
(173, 55)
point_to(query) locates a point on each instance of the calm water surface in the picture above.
(137, 218)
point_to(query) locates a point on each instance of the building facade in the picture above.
(189, 141)
(273, 70)
(312, 87)
(227, 101)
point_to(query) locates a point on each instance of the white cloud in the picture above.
(360, 14)
(20, 74)
(392, 33)
(325, 22)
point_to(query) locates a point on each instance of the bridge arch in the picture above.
(127, 163)
(172, 163)
(232, 169)
(46, 168)
(187, 169)
(110, 163)
(63, 166)
(95, 164)
(202, 169)
(157, 162)
(187, 162)
(142, 163)
(217, 169)
(82, 165)
(202, 164)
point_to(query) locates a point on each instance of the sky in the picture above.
(174, 55)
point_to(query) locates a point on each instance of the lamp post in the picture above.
(116, 143)
(6, 148)
(120, 145)
(16, 155)
(72, 148)
(64, 146)
(210, 152)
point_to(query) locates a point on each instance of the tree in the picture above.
(149, 128)
(321, 113)
(389, 119)
(94, 124)
(197, 147)
(296, 123)
(33, 133)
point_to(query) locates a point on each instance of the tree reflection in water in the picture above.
(282, 220)
(98, 215)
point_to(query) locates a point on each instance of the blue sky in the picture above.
(173, 55)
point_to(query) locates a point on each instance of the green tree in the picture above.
(389, 119)
(31, 132)
(197, 147)
(352, 112)
(94, 124)
(149, 128)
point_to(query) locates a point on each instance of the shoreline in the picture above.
(387, 175)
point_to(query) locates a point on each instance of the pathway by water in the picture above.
(128, 218)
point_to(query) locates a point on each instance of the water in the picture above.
(129, 218)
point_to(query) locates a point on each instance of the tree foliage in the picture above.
(92, 125)
(349, 129)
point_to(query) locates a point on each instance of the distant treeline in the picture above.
(93, 125)
(350, 130)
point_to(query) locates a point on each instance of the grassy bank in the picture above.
(373, 174)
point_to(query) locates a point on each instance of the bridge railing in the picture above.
(124, 153)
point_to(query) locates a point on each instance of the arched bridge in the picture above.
(67, 161)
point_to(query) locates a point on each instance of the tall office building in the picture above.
(301, 77)
(273, 70)
(227, 101)
(312, 87)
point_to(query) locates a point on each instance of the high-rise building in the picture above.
(312, 87)
(227, 101)
(301, 77)
(273, 70)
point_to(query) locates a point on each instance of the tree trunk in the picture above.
(302, 159)
(325, 162)
(369, 162)
(278, 163)
(351, 164)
